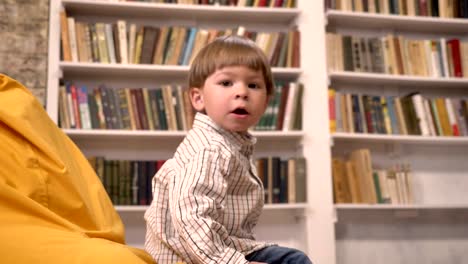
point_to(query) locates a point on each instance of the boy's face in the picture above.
(235, 97)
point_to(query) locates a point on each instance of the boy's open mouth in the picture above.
(240, 111)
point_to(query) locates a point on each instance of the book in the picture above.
(161, 109)
(85, 116)
(82, 43)
(72, 39)
(154, 109)
(300, 175)
(64, 110)
(150, 37)
(124, 109)
(189, 45)
(341, 192)
(75, 104)
(353, 182)
(123, 40)
(148, 109)
(160, 45)
(169, 109)
(200, 41)
(102, 43)
(132, 31)
(64, 36)
(141, 106)
(363, 169)
(275, 178)
(110, 42)
(139, 37)
(94, 43)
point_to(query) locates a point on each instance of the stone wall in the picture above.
(24, 41)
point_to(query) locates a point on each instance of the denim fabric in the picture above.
(279, 255)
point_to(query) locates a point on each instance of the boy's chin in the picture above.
(236, 129)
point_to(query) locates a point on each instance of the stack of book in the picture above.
(434, 8)
(284, 180)
(355, 181)
(240, 3)
(284, 110)
(126, 182)
(412, 114)
(442, 57)
(130, 43)
(163, 108)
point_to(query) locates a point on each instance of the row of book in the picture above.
(412, 114)
(284, 180)
(356, 181)
(163, 108)
(126, 182)
(434, 8)
(129, 182)
(284, 110)
(398, 55)
(240, 3)
(125, 43)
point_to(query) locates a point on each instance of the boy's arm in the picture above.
(196, 199)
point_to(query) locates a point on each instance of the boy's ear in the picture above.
(196, 97)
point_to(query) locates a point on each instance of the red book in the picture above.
(456, 57)
(76, 108)
(423, 7)
(262, 3)
(159, 164)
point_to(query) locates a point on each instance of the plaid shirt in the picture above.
(207, 199)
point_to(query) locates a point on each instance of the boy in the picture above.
(207, 198)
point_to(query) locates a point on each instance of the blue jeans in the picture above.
(279, 255)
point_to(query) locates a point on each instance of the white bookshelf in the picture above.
(285, 224)
(116, 134)
(361, 78)
(419, 24)
(182, 11)
(144, 144)
(147, 71)
(380, 207)
(432, 228)
(400, 139)
(268, 207)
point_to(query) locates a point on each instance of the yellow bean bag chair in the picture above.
(53, 207)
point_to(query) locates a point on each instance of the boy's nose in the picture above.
(242, 92)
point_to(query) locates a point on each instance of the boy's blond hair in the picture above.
(229, 51)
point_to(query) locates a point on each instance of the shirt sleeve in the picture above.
(196, 201)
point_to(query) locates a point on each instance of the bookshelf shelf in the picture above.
(182, 11)
(401, 214)
(144, 141)
(145, 71)
(119, 134)
(268, 207)
(432, 25)
(143, 145)
(116, 134)
(404, 139)
(399, 206)
(337, 78)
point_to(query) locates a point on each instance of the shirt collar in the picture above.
(242, 141)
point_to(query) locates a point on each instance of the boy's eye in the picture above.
(254, 86)
(226, 83)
